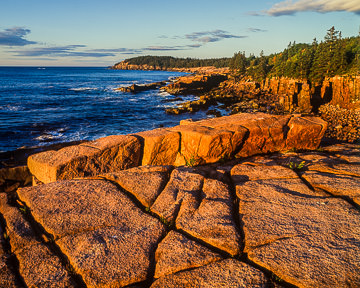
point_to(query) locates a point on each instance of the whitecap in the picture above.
(83, 89)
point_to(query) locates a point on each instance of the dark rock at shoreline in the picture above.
(134, 88)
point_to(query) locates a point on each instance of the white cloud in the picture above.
(290, 7)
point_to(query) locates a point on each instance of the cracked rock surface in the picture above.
(252, 222)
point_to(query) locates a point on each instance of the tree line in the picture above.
(334, 55)
(164, 62)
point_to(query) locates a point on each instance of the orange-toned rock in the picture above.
(144, 182)
(160, 146)
(225, 273)
(305, 132)
(204, 144)
(183, 183)
(304, 237)
(176, 253)
(108, 240)
(39, 267)
(99, 156)
(209, 217)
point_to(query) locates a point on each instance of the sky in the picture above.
(102, 33)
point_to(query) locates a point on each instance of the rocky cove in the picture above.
(248, 200)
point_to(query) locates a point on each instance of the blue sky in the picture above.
(101, 33)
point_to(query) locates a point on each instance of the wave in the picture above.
(83, 89)
(11, 108)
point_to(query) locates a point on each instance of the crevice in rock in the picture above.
(235, 210)
(11, 261)
(48, 240)
(274, 279)
(246, 136)
(205, 244)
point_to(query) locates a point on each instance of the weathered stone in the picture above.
(39, 267)
(338, 185)
(305, 132)
(266, 134)
(100, 156)
(160, 147)
(20, 174)
(256, 171)
(303, 237)
(144, 182)
(204, 144)
(183, 183)
(208, 216)
(7, 276)
(17, 228)
(225, 273)
(176, 253)
(114, 256)
(73, 206)
(108, 240)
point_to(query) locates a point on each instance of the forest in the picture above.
(173, 62)
(334, 55)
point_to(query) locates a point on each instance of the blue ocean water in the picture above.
(42, 106)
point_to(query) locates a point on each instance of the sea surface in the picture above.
(42, 106)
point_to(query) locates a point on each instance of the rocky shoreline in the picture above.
(247, 200)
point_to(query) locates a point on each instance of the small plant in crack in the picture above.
(24, 210)
(191, 162)
(297, 166)
(6, 236)
(169, 224)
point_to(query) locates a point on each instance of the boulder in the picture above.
(160, 146)
(305, 133)
(201, 144)
(102, 155)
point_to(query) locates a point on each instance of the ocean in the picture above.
(42, 106)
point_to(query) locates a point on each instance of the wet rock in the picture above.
(144, 182)
(225, 273)
(176, 253)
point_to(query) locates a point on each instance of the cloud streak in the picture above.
(15, 37)
(290, 7)
(205, 37)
